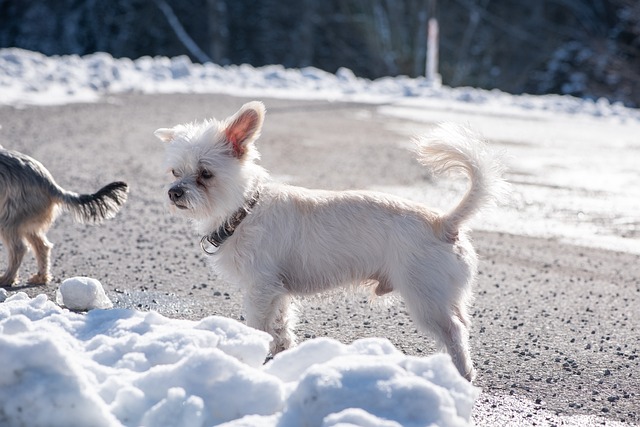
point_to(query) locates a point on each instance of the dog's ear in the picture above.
(165, 134)
(244, 127)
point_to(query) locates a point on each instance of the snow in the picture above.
(125, 367)
(30, 78)
(82, 294)
(574, 180)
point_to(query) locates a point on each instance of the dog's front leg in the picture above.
(269, 309)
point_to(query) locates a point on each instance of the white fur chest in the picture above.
(228, 264)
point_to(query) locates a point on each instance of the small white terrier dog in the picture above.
(277, 241)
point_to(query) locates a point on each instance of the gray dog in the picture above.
(30, 201)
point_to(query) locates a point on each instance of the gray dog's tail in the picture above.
(95, 208)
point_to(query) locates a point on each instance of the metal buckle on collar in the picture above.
(209, 246)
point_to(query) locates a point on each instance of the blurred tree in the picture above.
(600, 58)
(218, 34)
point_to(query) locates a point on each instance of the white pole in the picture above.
(431, 67)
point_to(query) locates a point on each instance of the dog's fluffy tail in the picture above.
(455, 147)
(97, 207)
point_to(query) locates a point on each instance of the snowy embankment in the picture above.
(125, 367)
(30, 78)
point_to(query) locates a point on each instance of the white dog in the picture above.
(277, 241)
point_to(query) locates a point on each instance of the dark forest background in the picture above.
(586, 48)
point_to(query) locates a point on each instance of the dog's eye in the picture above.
(205, 174)
(175, 173)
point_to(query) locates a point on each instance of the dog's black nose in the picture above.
(175, 193)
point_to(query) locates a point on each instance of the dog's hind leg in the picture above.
(436, 310)
(455, 337)
(17, 249)
(450, 332)
(42, 250)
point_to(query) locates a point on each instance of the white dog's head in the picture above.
(213, 165)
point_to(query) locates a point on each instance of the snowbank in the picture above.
(124, 367)
(28, 78)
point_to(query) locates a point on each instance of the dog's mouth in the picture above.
(180, 206)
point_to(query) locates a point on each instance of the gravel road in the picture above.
(556, 335)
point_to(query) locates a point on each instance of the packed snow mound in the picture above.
(128, 368)
(82, 294)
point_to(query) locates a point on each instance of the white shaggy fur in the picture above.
(297, 241)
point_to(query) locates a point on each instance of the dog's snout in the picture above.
(175, 193)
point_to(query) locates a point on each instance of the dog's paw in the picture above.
(8, 282)
(471, 375)
(282, 342)
(39, 279)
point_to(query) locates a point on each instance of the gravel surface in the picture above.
(556, 335)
